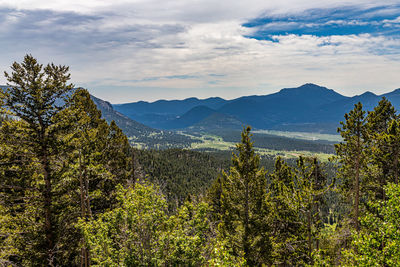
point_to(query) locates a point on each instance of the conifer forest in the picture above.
(75, 192)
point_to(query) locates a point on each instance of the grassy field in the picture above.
(292, 154)
(303, 135)
(212, 142)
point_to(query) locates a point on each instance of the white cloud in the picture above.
(134, 44)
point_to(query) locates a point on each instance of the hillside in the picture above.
(191, 117)
(140, 134)
(289, 105)
(129, 126)
(217, 121)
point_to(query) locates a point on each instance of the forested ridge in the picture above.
(73, 191)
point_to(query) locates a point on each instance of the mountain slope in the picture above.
(334, 112)
(289, 105)
(140, 134)
(191, 117)
(394, 97)
(161, 113)
(128, 126)
(218, 121)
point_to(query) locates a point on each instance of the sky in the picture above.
(130, 50)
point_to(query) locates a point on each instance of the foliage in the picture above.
(187, 237)
(378, 243)
(384, 148)
(222, 255)
(352, 155)
(288, 227)
(127, 235)
(179, 173)
(243, 205)
(29, 150)
(140, 233)
(73, 191)
(58, 161)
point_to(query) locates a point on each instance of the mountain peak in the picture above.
(308, 88)
(368, 94)
(311, 85)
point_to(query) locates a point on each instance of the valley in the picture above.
(291, 122)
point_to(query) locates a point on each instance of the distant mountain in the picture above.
(289, 105)
(140, 134)
(191, 117)
(161, 113)
(129, 126)
(394, 97)
(218, 121)
(309, 108)
(306, 108)
(334, 112)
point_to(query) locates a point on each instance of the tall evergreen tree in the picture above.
(312, 185)
(33, 96)
(382, 148)
(378, 120)
(244, 208)
(352, 154)
(97, 157)
(59, 161)
(288, 226)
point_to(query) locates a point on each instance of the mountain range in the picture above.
(141, 134)
(310, 107)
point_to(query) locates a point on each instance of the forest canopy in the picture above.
(74, 192)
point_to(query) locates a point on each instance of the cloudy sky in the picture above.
(130, 50)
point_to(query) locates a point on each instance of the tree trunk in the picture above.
(396, 172)
(309, 231)
(246, 221)
(47, 210)
(85, 208)
(357, 187)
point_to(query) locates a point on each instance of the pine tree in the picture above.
(389, 153)
(378, 120)
(312, 185)
(378, 242)
(244, 207)
(214, 195)
(289, 228)
(382, 150)
(352, 154)
(97, 158)
(59, 161)
(33, 97)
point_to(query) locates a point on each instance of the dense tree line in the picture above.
(74, 192)
(179, 173)
(279, 142)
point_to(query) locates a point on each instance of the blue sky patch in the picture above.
(382, 20)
